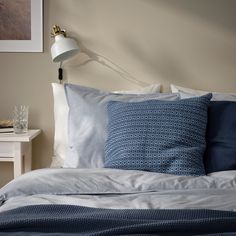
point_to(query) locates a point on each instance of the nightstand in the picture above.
(17, 148)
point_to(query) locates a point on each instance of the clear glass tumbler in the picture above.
(20, 119)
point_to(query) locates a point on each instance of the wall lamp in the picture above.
(63, 48)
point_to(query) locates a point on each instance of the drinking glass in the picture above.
(20, 119)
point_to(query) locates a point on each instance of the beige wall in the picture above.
(187, 42)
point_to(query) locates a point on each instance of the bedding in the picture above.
(188, 92)
(221, 129)
(121, 189)
(149, 89)
(101, 201)
(160, 136)
(61, 111)
(220, 151)
(38, 219)
(41, 200)
(88, 120)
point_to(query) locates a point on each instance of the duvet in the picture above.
(118, 202)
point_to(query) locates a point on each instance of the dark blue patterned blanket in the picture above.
(76, 220)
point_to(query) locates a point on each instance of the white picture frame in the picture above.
(35, 44)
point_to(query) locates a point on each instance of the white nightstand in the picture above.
(17, 148)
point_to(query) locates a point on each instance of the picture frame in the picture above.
(35, 42)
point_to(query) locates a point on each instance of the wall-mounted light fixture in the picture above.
(63, 48)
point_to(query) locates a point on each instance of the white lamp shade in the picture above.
(63, 48)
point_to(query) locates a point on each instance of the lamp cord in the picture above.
(109, 64)
(103, 60)
(60, 73)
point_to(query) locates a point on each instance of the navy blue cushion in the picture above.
(160, 136)
(220, 153)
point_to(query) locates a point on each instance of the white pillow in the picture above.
(187, 93)
(61, 110)
(153, 88)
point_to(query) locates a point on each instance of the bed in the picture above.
(105, 186)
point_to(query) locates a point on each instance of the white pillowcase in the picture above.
(61, 111)
(153, 88)
(187, 93)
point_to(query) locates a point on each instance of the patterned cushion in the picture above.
(160, 136)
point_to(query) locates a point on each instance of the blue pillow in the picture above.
(159, 136)
(220, 153)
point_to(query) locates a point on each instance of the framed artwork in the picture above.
(21, 25)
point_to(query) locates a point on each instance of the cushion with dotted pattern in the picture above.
(160, 136)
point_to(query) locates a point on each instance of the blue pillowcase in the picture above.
(220, 153)
(159, 136)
